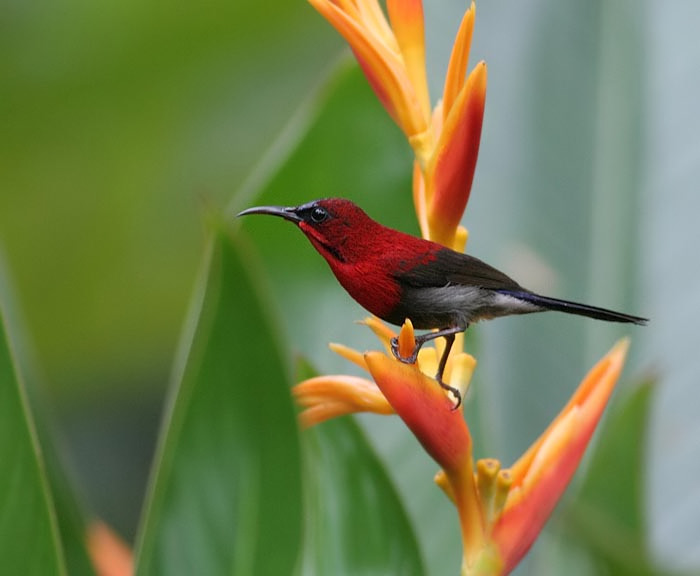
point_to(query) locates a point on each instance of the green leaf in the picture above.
(68, 508)
(356, 521)
(29, 541)
(226, 489)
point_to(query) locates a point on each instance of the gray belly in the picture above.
(455, 306)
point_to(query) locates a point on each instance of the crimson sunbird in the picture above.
(396, 276)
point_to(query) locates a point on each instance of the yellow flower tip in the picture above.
(443, 482)
(594, 391)
(381, 331)
(480, 74)
(493, 484)
(461, 369)
(459, 244)
(504, 482)
(326, 397)
(428, 361)
(618, 353)
(407, 339)
(316, 415)
(378, 327)
(320, 413)
(457, 67)
(349, 354)
(486, 472)
(487, 469)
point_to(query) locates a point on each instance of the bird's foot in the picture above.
(397, 353)
(452, 390)
(438, 378)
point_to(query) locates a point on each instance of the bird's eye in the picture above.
(318, 215)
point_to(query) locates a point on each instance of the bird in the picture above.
(396, 276)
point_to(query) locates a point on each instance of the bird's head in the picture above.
(336, 227)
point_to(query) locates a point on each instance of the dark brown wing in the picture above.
(446, 266)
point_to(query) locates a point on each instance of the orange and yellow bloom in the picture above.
(501, 510)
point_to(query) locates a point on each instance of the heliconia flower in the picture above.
(501, 511)
(326, 397)
(445, 140)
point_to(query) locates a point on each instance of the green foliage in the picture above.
(227, 481)
(228, 486)
(29, 540)
(356, 523)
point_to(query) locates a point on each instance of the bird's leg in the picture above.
(449, 335)
(449, 340)
(420, 340)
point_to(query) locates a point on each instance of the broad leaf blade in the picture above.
(227, 487)
(29, 541)
(69, 510)
(357, 523)
(67, 502)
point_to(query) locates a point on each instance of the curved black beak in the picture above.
(289, 213)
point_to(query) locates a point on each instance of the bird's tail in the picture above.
(575, 308)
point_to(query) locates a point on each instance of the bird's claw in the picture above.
(397, 354)
(452, 390)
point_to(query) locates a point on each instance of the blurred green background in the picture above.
(123, 123)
